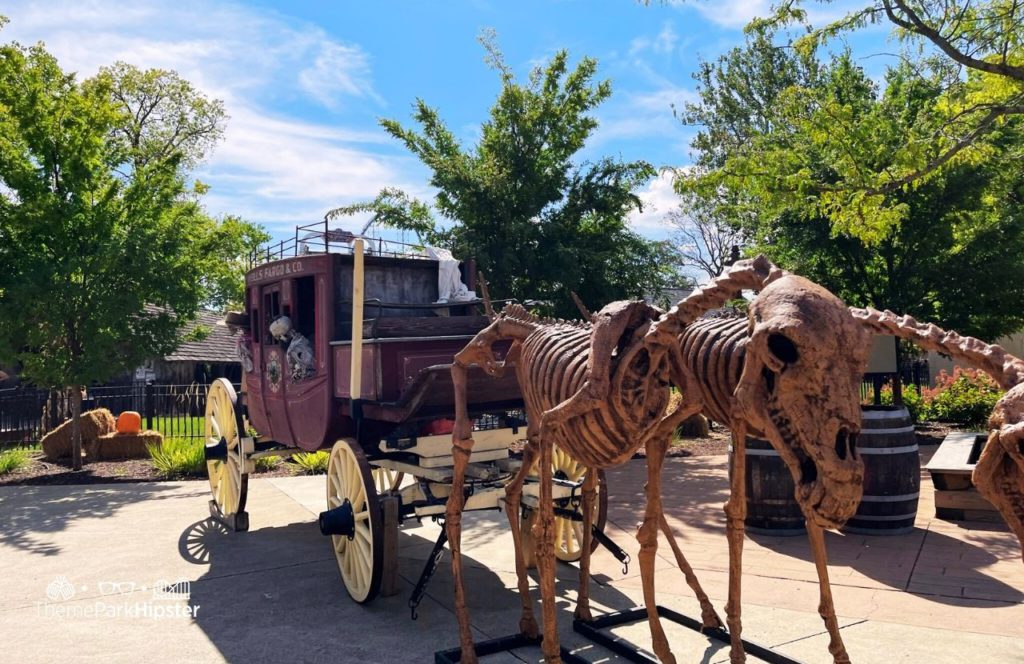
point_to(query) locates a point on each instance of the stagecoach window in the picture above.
(305, 304)
(271, 310)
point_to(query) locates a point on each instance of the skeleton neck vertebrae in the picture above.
(999, 473)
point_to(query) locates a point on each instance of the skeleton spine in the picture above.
(752, 274)
(1006, 369)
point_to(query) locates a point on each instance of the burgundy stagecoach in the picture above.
(346, 345)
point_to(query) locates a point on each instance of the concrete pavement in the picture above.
(89, 573)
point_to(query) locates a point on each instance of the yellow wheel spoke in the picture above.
(350, 479)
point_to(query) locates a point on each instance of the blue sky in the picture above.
(305, 82)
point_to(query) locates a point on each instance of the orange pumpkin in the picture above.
(129, 422)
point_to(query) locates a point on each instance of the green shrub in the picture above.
(178, 457)
(914, 402)
(14, 459)
(310, 463)
(267, 463)
(967, 397)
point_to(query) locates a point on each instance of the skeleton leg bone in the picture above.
(826, 608)
(736, 512)
(708, 615)
(648, 538)
(589, 496)
(544, 533)
(513, 501)
(462, 446)
(453, 523)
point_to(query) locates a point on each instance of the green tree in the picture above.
(975, 52)
(539, 223)
(106, 253)
(955, 250)
(226, 245)
(164, 116)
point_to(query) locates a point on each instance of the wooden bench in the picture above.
(950, 468)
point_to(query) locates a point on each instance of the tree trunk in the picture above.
(897, 381)
(76, 427)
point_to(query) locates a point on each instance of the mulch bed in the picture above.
(141, 470)
(42, 472)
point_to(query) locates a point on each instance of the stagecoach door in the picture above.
(273, 363)
(307, 390)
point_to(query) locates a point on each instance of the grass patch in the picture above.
(310, 463)
(12, 460)
(178, 457)
(179, 427)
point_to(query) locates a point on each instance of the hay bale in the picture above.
(94, 423)
(124, 445)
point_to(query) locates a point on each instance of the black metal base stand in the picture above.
(628, 651)
(433, 560)
(501, 644)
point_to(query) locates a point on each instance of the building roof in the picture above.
(217, 347)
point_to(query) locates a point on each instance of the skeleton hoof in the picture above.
(528, 627)
(709, 618)
(583, 613)
(665, 655)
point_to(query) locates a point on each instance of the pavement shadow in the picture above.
(693, 491)
(275, 594)
(29, 513)
(938, 567)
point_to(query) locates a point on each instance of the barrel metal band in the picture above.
(890, 499)
(883, 432)
(890, 517)
(751, 452)
(887, 450)
(895, 414)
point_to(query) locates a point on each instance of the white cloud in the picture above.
(270, 168)
(339, 71)
(645, 114)
(735, 14)
(658, 199)
(731, 13)
(663, 43)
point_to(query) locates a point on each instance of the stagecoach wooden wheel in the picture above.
(568, 532)
(226, 462)
(385, 480)
(360, 555)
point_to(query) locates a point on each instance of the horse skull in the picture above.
(800, 387)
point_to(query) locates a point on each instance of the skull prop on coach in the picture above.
(999, 474)
(801, 388)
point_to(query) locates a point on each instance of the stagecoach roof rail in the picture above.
(318, 238)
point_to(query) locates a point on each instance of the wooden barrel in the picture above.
(892, 473)
(771, 506)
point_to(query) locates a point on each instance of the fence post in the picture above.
(879, 381)
(150, 405)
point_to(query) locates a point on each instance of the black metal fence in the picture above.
(913, 377)
(177, 411)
